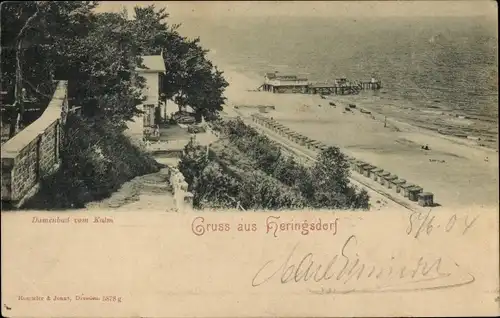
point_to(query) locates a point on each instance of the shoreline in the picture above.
(408, 126)
(454, 169)
(458, 127)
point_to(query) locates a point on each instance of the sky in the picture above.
(221, 9)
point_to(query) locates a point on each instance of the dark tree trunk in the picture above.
(13, 122)
(18, 93)
(197, 116)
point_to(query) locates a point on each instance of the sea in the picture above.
(444, 66)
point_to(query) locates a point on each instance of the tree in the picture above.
(325, 185)
(215, 188)
(191, 78)
(330, 177)
(295, 175)
(361, 200)
(18, 90)
(49, 40)
(261, 191)
(107, 83)
(193, 160)
(96, 53)
(31, 44)
(332, 167)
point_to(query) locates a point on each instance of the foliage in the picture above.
(324, 185)
(107, 82)
(96, 160)
(99, 52)
(264, 192)
(214, 188)
(331, 185)
(26, 41)
(193, 160)
(191, 78)
(291, 173)
(259, 176)
(217, 181)
(67, 40)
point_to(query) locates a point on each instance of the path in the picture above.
(149, 191)
(153, 191)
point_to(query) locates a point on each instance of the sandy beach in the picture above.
(456, 170)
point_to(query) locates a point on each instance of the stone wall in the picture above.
(34, 152)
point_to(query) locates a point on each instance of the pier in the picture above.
(277, 83)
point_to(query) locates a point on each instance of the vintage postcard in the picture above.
(249, 159)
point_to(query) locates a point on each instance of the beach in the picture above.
(456, 170)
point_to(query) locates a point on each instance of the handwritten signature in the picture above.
(348, 273)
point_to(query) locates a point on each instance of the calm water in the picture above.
(448, 64)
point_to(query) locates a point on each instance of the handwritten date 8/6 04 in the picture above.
(425, 223)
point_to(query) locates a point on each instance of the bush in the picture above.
(331, 182)
(325, 185)
(214, 188)
(285, 183)
(263, 192)
(217, 181)
(96, 159)
(288, 171)
(192, 162)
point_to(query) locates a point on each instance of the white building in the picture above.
(153, 74)
(277, 83)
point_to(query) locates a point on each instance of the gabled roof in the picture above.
(153, 63)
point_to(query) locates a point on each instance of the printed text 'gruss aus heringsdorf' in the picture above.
(273, 226)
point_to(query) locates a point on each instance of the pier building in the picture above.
(278, 83)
